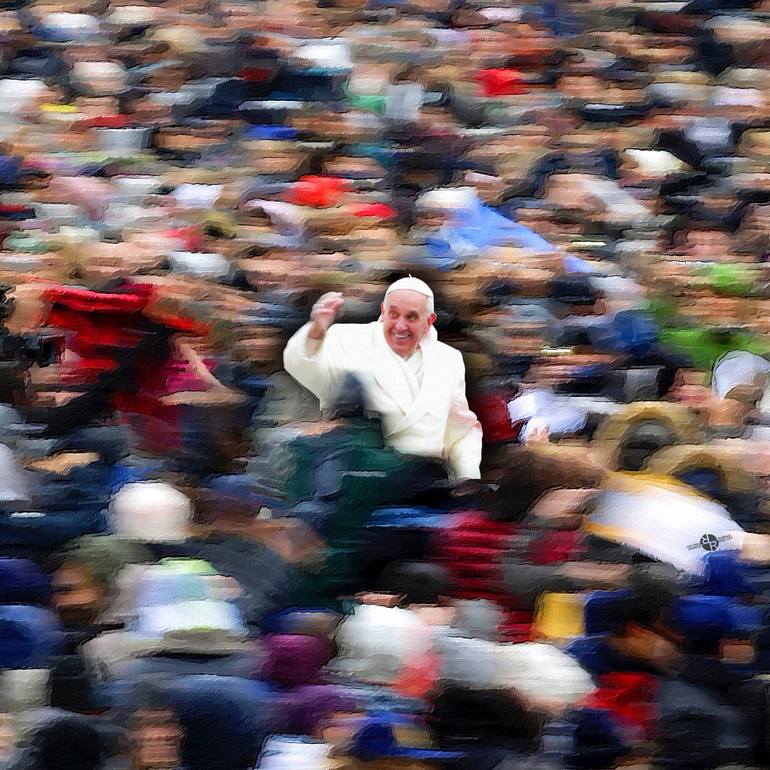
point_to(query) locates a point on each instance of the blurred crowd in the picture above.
(199, 570)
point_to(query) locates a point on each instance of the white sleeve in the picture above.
(462, 441)
(308, 361)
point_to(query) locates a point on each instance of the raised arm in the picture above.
(306, 356)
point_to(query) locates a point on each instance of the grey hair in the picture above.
(429, 304)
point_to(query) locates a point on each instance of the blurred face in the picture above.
(406, 320)
(156, 741)
(709, 243)
(77, 597)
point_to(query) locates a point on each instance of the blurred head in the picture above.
(67, 744)
(407, 315)
(78, 596)
(641, 441)
(156, 739)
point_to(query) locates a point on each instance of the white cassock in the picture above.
(421, 401)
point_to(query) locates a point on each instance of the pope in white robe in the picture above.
(415, 383)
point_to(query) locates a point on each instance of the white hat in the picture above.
(412, 284)
(447, 199)
(151, 511)
(737, 368)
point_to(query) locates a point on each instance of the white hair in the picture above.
(412, 284)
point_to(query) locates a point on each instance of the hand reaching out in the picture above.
(324, 313)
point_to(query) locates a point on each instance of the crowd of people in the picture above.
(200, 569)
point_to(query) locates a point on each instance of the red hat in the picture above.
(318, 191)
(501, 82)
(379, 210)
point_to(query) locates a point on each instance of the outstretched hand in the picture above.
(324, 313)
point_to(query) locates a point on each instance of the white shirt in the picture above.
(412, 366)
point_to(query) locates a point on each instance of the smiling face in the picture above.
(406, 320)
